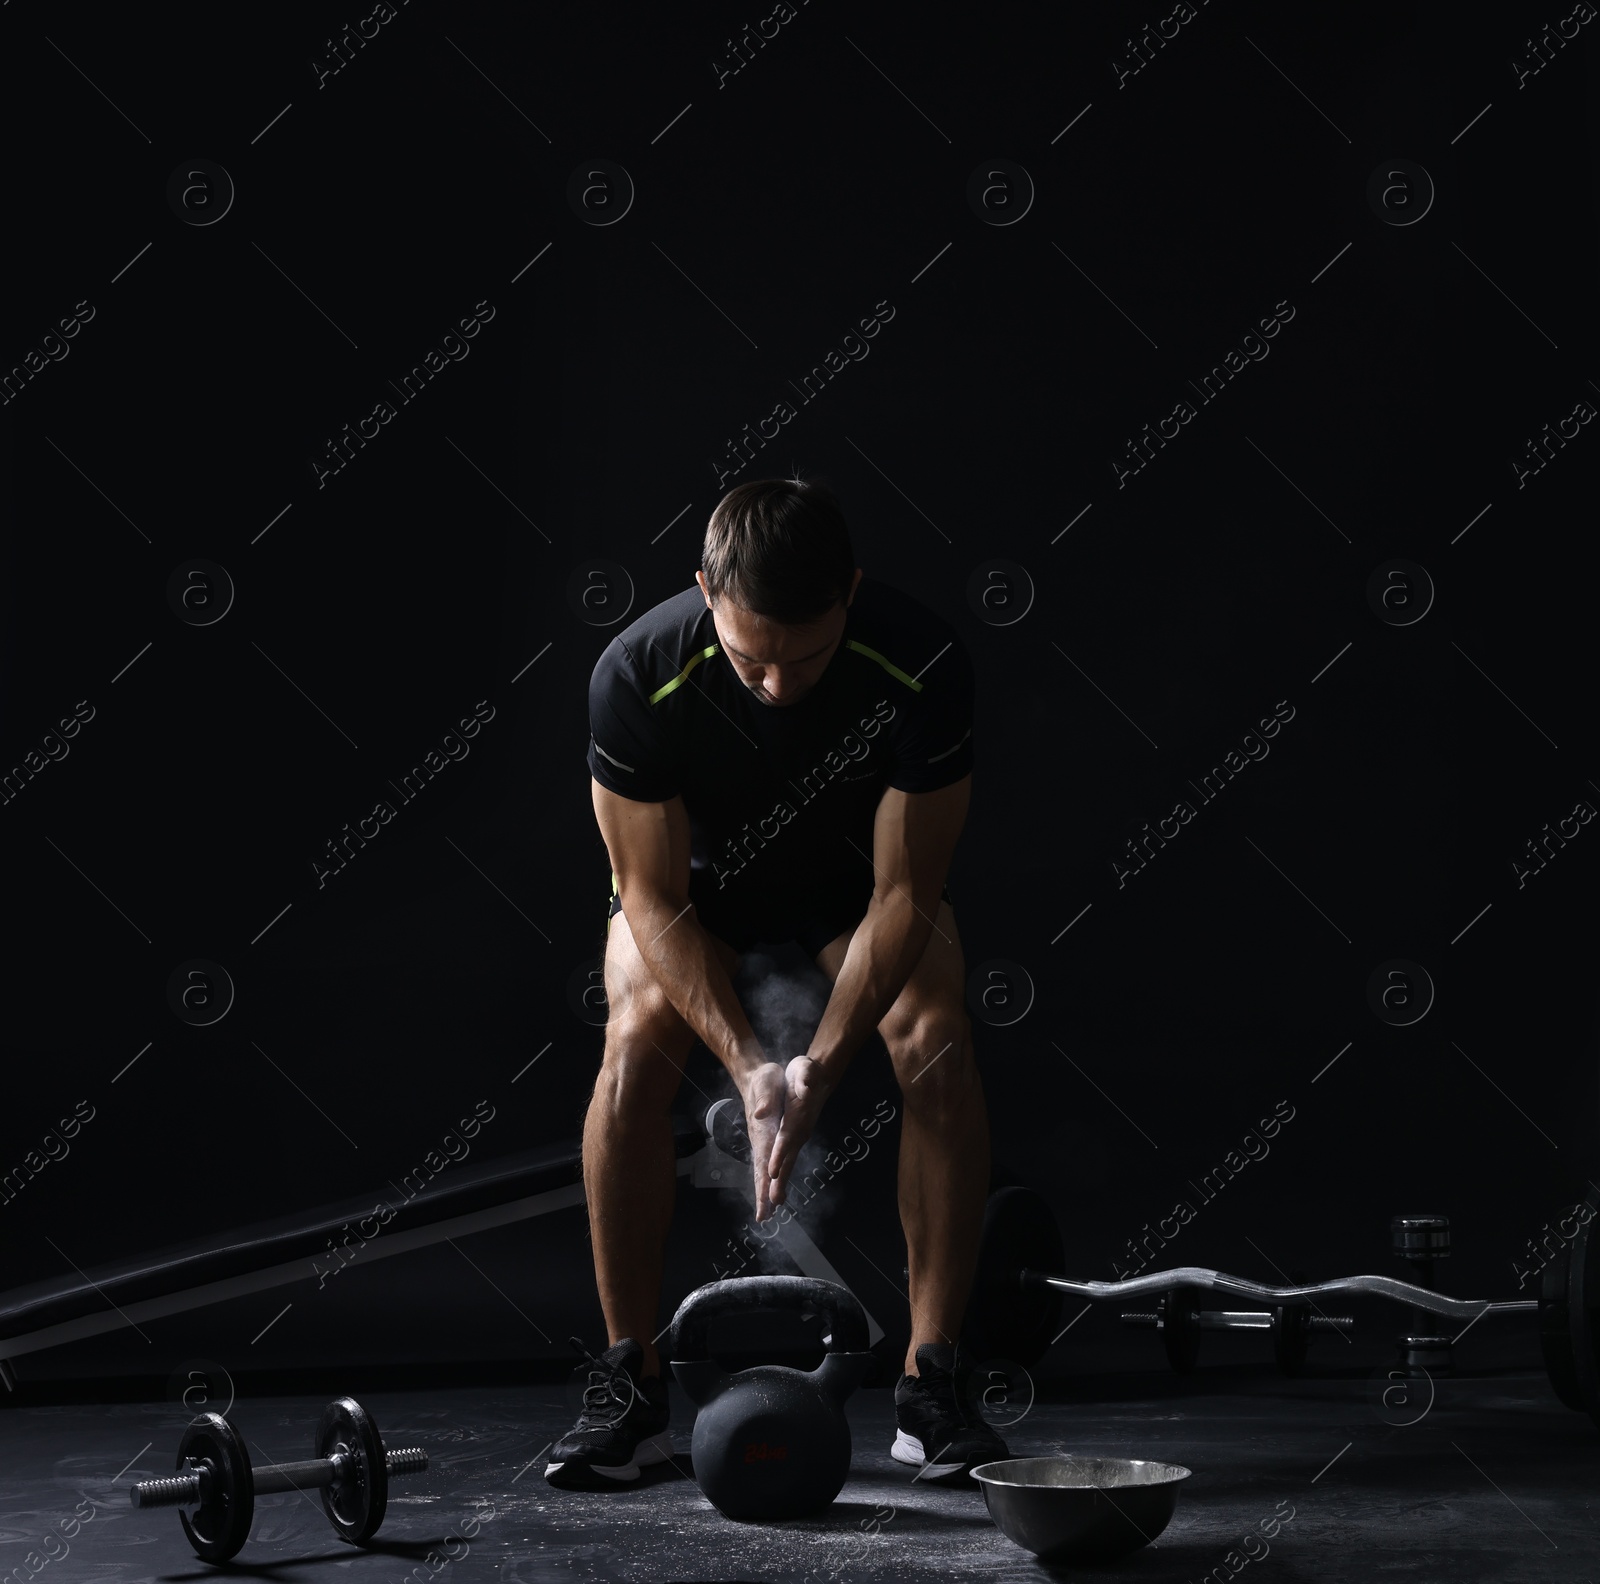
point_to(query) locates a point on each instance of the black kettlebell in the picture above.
(770, 1442)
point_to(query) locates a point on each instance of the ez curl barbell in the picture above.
(1015, 1309)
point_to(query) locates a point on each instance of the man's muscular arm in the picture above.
(913, 840)
(649, 848)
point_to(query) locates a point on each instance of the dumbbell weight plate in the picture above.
(222, 1521)
(1180, 1327)
(354, 1506)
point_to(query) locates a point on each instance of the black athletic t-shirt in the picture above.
(781, 798)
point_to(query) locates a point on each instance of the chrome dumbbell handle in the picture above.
(304, 1474)
(182, 1490)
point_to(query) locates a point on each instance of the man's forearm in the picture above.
(886, 947)
(691, 976)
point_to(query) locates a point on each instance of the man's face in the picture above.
(779, 664)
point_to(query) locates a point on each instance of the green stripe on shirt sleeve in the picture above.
(678, 681)
(892, 669)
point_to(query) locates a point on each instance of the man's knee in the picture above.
(932, 1055)
(646, 1043)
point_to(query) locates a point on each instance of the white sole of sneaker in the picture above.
(650, 1451)
(908, 1449)
(653, 1449)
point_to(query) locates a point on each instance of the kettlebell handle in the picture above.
(690, 1327)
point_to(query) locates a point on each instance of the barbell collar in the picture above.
(1226, 1286)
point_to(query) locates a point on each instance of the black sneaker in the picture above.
(935, 1430)
(622, 1427)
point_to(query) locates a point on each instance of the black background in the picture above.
(1175, 612)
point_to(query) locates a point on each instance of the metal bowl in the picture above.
(1080, 1509)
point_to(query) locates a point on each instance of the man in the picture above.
(782, 752)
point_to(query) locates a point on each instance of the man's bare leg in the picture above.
(944, 1131)
(629, 1166)
(630, 1180)
(944, 1186)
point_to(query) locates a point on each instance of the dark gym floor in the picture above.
(1496, 1480)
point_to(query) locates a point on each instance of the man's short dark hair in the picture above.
(779, 548)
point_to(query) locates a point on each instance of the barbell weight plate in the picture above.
(1290, 1336)
(1180, 1327)
(1005, 1320)
(730, 1132)
(1555, 1335)
(1583, 1311)
(222, 1521)
(355, 1505)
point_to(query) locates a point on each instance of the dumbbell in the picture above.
(1180, 1320)
(351, 1469)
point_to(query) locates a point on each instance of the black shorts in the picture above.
(819, 917)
